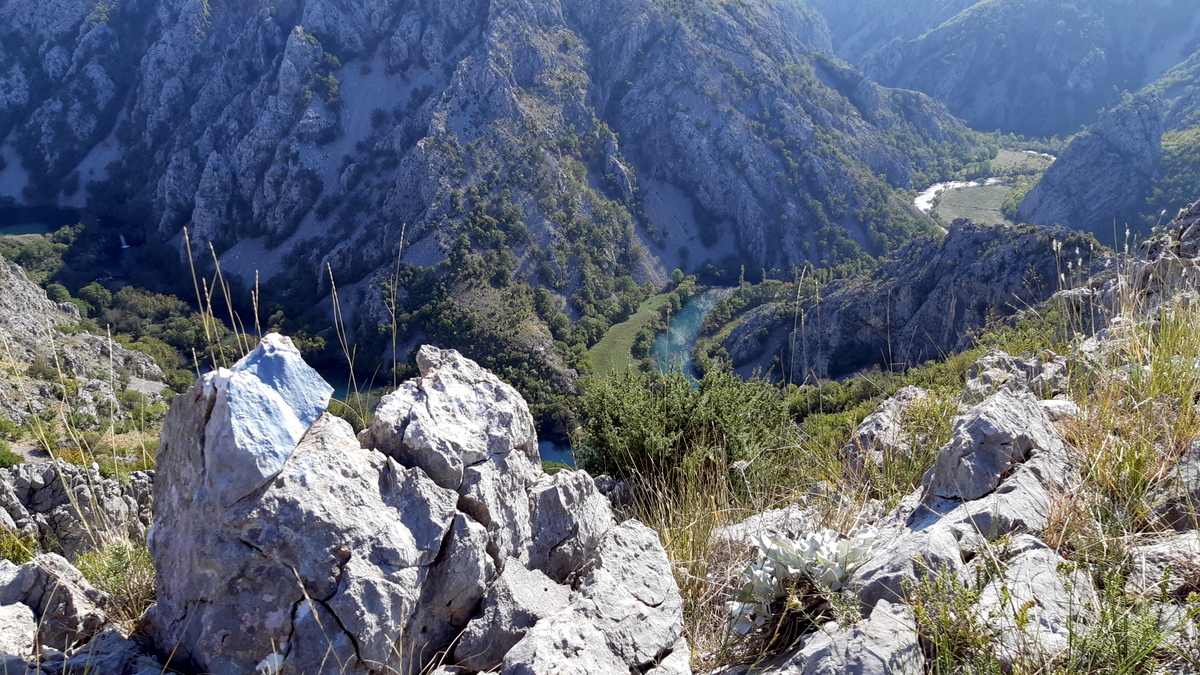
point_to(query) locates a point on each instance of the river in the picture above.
(673, 349)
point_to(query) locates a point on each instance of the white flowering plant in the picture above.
(824, 559)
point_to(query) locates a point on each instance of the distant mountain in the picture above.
(1138, 165)
(1039, 67)
(577, 145)
(861, 27)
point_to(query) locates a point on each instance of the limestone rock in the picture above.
(69, 509)
(1105, 173)
(69, 610)
(1168, 566)
(514, 603)
(1179, 508)
(789, 521)
(1045, 378)
(629, 593)
(472, 434)
(993, 439)
(32, 330)
(456, 415)
(260, 410)
(885, 643)
(17, 630)
(343, 559)
(881, 435)
(924, 301)
(570, 517)
(1035, 605)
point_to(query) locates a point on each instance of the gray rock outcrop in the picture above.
(1037, 604)
(1105, 173)
(350, 554)
(881, 435)
(1168, 566)
(31, 332)
(68, 610)
(885, 643)
(69, 509)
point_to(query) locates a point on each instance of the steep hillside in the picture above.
(1134, 167)
(924, 302)
(44, 361)
(586, 139)
(1041, 67)
(861, 28)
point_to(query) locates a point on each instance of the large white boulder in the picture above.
(260, 410)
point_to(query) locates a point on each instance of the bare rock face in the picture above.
(1104, 174)
(31, 331)
(997, 476)
(282, 543)
(18, 627)
(885, 643)
(881, 435)
(1043, 377)
(990, 442)
(923, 302)
(1169, 565)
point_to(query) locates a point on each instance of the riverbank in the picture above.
(982, 200)
(614, 352)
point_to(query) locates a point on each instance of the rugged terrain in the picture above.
(42, 356)
(566, 140)
(1038, 67)
(433, 542)
(921, 304)
(1136, 166)
(433, 538)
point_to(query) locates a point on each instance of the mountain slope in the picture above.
(1137, 164)
(863, 27)
(924, 302)
(580, 146)
(1041, 67)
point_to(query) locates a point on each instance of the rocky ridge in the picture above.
(285, 544)
(35, 330)
(1039, 67)
(263, 129)
(923, 302)
(985, 510)
(1104, 180)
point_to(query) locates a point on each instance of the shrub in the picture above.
(16, 548)
(657, 428)
(803, 573)
(7, 456)
(125, 571)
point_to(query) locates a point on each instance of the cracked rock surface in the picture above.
(284, 542)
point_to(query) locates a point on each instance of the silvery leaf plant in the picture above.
(824, 559)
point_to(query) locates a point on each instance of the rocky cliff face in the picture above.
(923, 303)
(1040, 67)
(611, 136)
(32, 334)
(1100, 183)
(1114, 174)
